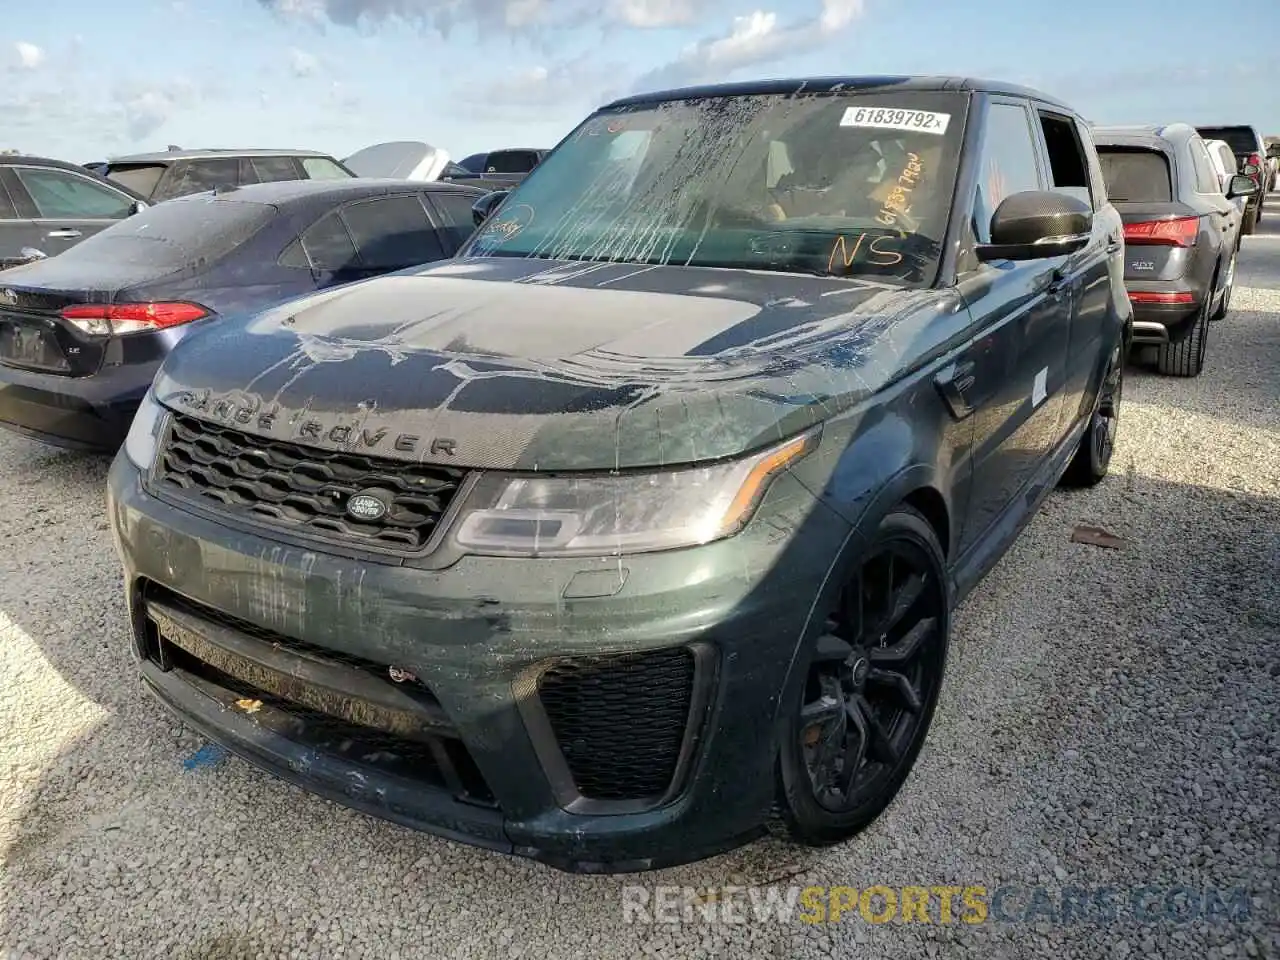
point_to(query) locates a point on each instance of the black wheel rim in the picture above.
(1106, 420)
(873, 675)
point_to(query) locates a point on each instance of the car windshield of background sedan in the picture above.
(836, 185)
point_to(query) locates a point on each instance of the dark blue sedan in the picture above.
(82, 333)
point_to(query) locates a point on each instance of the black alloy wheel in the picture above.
(1092, 458)
(871, 686)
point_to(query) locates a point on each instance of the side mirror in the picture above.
(483, 208)
(1036, 224)
(1240, 186)
(137, 207)
(31, 254)
(1273, 151)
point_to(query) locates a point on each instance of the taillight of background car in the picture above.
(105, 319)
(1181, 232)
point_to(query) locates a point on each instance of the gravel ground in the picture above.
(1110, 719)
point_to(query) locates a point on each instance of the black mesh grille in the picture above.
(620, 721)
(302, 489)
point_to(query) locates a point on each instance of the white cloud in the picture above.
(301, 63)
(753, 39)
(29, 55)
(656, 13)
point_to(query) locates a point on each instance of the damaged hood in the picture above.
(513, 363)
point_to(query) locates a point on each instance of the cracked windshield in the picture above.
(639, 480)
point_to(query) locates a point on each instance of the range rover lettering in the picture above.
(644, 517)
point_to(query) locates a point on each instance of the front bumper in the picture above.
(80, 413)
(482, 636)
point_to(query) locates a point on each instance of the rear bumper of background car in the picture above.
(1165, 311)
(626, 730)
(84, 413)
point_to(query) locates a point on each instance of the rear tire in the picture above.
(1186, 357)
(1093, 457)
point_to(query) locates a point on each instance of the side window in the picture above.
(59, 195)
(1067, 167)
(322, 168)
(510, 161)
(455, 211)
(7, 209)
(1008, 163)
(196, 176)
(392, 233)
(328, 245)
(273, 169)
(1206, 179)
(295, 256)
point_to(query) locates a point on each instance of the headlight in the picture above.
(144, 433)
(610, 514)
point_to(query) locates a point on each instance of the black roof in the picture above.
(747, 88)
(282, 192)
(23, 160)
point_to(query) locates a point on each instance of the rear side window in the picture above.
(7, 209)
(274, 169)
(1067, 167)
(328, 245)
(139, 177)
(455, 211)
(59, 195)
(176, 234)
(1135, 175)
(391, 233)
(197, 176)
(322, 168)
(511, 161)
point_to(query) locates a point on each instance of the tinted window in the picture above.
(1068, 171)
(474, 163)
(322, 168)
(7, 209)
(511, 161)
(176, 234)
(1135, 175)
(1206, 179)
(1239, 139)
(455, 211)
(392, 233)
(1008, 164)
(196, 176)
(67, 196)
(328, 244)
(138, 177)
(272, 169)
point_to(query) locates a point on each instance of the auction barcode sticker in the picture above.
(891, 118)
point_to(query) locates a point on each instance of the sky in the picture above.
(84, 81)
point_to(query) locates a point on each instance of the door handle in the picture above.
(1114, 246)
(67, 234)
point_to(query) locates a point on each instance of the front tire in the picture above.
(1186, 357)
(851, 734)
(1228, 284)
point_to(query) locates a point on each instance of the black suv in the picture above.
(1251, 160)
(178, 173)
(1182, 237)
(646, 515)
